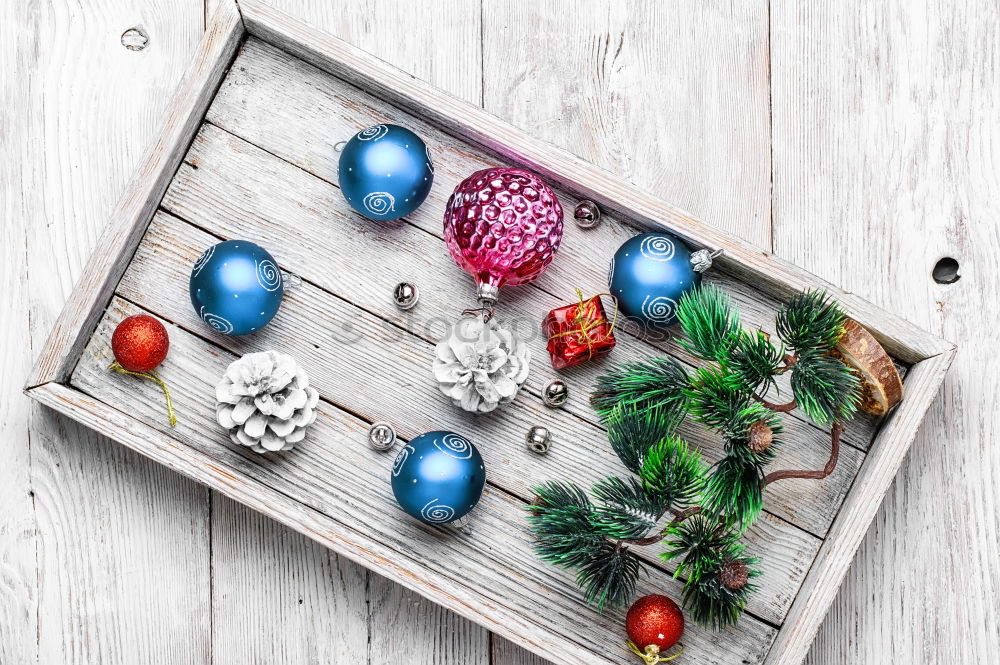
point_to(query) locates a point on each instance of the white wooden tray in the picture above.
(247, 151)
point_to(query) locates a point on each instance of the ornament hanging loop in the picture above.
(339, 146)
(701, 260)
(290, 282)
(651, 654)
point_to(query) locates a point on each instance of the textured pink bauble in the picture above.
(503, 226)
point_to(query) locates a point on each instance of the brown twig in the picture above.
(657, 537)
(789, 362)
(777, 408)
(831, 463)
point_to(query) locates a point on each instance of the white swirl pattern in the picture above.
(373, 133)
(454, 445)
(268, 275)
(397, 466)
(203, 261)
(379, 203)
(657, 248)
(430, 162)
(216, 322)
(659, 309)
(611, 272)
(437, 513)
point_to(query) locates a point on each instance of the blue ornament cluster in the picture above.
(236, 287)
(438, 477)
(649, 274)
(385, 172)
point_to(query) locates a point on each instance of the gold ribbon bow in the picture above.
(587, 326)
(651, 654)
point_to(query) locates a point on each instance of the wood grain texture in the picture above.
(770, 274)
(227, 181)
(648, 91)
(885, 129)
(350, 371)
(143, 192)
(18, 533)
(336, 474)
(118, 546)
(435, 50)
(296, 112)
(279, 597)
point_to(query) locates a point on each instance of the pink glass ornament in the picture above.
(503, 227)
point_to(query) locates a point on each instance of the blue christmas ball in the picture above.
(385, 172)
(649, 274)
(236, 287)
(438, 477)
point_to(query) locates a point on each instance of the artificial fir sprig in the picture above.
(643, 404)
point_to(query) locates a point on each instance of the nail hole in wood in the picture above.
(946, 271)
(135, 39)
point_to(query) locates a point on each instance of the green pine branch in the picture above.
(643, 404)
(710, 324)
(654, 385)
(810, 321)
(825, 388)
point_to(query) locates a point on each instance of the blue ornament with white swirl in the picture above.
(236, 287)
(650, 272)
(438, 477)
(385, 172)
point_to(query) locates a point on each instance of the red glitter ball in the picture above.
(654, 619)
(140, 343)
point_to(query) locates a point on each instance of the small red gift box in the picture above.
(578, 333)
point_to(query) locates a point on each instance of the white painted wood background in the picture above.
(858, 139)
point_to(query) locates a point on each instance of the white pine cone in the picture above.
(265, 401)
(480, 365)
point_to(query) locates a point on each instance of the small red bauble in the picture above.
(140, 343)
(654, 619)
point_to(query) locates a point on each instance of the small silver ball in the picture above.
(539, 439)
(405, 295)
(555, 393)
(587, 214)
(381, 436)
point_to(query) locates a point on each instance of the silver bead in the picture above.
(587, 214)
(405, 295)
(381, 436)
(555, 393)
(539, 439)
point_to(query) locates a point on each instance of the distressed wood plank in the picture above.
(769, 273)
(335, 472)
(227, 182)
(297, 112)
(141, 196)
(351, 371)
(670, 96)
(885, 129)
(279, 597)
(119, 544)
(436, 49)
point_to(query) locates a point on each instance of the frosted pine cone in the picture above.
(480, 365)
(265, 402)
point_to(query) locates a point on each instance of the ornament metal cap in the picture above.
(487, 294)
(701, 260)
(381, 436)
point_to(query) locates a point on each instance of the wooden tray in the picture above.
(247, 151)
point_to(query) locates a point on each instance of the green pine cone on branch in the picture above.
(700, 511)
